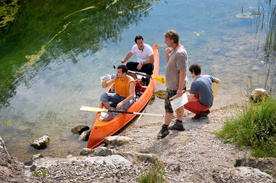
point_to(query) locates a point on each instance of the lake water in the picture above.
(51, 66)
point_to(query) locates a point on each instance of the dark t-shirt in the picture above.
(203, 85)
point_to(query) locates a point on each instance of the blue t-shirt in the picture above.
(203, 85)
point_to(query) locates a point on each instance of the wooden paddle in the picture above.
(175, 96)
(97, 109)
(215, 89)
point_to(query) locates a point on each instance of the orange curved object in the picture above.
(102, 129)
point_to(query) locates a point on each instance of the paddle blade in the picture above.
(215, 89)
(160, 79)
(93, 109)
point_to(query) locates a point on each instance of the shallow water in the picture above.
(60, 72)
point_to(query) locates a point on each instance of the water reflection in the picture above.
(43, 32)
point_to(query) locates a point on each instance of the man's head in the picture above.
(171, 36)
(139, 40)
(195, 69)
(121, 70)
(138, 37)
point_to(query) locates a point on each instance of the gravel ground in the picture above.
(194, 155)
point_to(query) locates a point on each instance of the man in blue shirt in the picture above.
(201, 93)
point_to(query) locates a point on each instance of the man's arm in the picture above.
(182, 76)
(107, 83)
(167, 53)
(127, 57)
(191, 97)
(149, 61)
(130, 97)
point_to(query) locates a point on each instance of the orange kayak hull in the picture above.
(102, 129)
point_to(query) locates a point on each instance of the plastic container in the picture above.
(107, 77)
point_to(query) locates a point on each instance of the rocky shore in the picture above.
(194, 155)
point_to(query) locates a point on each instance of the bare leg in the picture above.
(133, 75)
(110, 114)
(179, 113)
(168, 118)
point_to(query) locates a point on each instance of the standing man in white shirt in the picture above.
(145, 57)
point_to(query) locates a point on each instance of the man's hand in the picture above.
(139, 66)
(119, 105)
(168, 50)
(123, 61)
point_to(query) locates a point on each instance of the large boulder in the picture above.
(11, 170)
(258, 95)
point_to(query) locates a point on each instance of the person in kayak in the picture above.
(124, 95)
(145, 57)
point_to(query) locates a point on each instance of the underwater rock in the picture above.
(41, 142)
(246, 15)
(79, 129)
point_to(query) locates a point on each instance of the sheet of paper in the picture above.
(179, 102)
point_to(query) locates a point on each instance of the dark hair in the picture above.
(138, 37)
(172, 34)
(195, 68)
(123, 67)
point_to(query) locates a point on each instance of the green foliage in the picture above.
(254, 128)
(155, 174)
(41, 172)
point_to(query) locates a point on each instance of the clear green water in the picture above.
(53, 54)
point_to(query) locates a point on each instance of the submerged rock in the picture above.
(41, 142)
(79, 129)
(246, 15)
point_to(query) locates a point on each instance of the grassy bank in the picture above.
(254, 128)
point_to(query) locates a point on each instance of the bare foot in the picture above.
(108, 118)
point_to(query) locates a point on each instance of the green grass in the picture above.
(40, 173)
(155, 174)
(254, 128)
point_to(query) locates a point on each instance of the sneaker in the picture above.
(163, 132)
(205, 113)
(198, 116)
(201, 114)
(177, 126)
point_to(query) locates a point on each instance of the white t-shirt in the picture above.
(142, 55)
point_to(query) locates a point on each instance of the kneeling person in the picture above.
(124, 95)
(201, 93)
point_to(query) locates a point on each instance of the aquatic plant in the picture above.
(270, 43)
